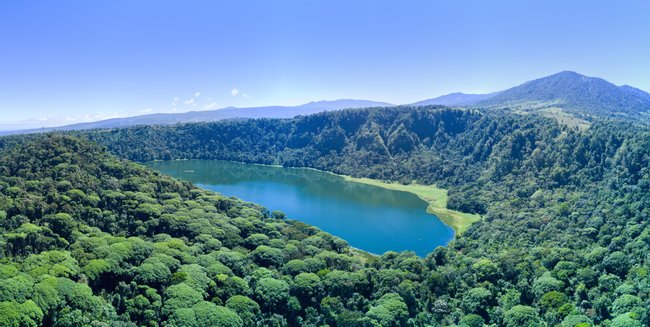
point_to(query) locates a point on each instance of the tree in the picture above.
(17, 314)
(545, 284)
(627, 303)
(10, 314)
(616, 263)
(210, 314)
(625, 320)
(573, 320)
(46, 295)
(184, 317)
(390, 310)
(472, 320)
(307, 287)
(255, 240)
(521, 315)
(180, 296)
(246, 308)
(277, 214)
(95, 268)
(232, 285)
(143, 308)
(53, 263)
(266, 256)
(18, 288)
(272, 293)
(477, 301)
(485, 269)
(552, 300)
(62, 224)
(295, 267)
(195, 277)
(343, 283)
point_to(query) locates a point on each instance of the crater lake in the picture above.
(370, 218)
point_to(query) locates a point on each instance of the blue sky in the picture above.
(68, 61)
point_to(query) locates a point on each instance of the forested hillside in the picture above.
(480, 156)
(565, 231)
(579, 95)
(90, 239)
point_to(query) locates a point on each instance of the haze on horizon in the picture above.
(73, 61)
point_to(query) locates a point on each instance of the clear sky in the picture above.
(68, 61)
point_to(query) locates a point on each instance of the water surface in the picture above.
(370, 218)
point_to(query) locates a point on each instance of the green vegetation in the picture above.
(564, 118)
(89, 239)
(580, 96)
(550, 109)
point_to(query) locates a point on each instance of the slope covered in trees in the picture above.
(563, 241)
(91, 240)
(576, 93)
(565, 211)
(481, 157)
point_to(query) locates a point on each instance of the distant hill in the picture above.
(574, 93)
(567, 96)
(214, 115)
(565, 93)
(456, 99)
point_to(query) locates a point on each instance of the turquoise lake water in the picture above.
(368, 217)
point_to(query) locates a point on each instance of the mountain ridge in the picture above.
(567, 91)
(570, 91)
(455, 99)
(577, 94)
(213, 115)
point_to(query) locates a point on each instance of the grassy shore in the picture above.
(436, 197)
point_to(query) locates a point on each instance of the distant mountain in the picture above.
(213, 115)
(575, 93)
(318, 106)
(569, 91)
(560, 95)
(456, 99)
(633, 90)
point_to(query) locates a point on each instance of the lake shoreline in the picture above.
(435, 197)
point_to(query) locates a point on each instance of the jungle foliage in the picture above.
(91, 239)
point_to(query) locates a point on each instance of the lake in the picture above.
(370, 218)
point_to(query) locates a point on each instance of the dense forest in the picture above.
(90, 239)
